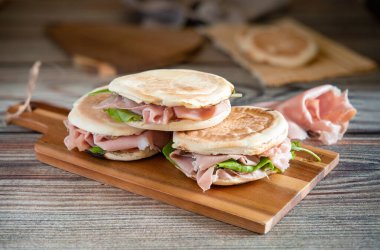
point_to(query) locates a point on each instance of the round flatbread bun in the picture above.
(173, 87)
(185, 125)
(130, 156)
(247, 131)
(84, 116)
(278, 45)
(257, 175)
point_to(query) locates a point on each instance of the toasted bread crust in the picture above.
(130, 156)
(247, 130)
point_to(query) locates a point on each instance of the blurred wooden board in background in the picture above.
(332, 60)
(256, 206)
(116, 48)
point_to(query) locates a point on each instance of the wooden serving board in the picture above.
(256, 206)
(115, 48)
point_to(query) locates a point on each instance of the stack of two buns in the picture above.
(132, 118)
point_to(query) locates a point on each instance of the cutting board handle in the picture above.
(41, 117)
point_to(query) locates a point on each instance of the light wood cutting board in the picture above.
(256, 206)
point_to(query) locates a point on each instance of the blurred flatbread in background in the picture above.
(332, 60)
(113, 48)
(277, 45)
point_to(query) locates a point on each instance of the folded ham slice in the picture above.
(161, 114)
(323, 112)
(202, 167)
(78, 138)
(81, 139)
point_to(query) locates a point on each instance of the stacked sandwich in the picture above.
(134, 117)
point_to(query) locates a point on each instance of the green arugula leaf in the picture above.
(296, 146)
(100, 91)
(123, 115)
(97, 150)
(293, 154)
(167, 150)
(264, 164)
(234, 94)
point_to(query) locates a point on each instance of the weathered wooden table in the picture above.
(42, 206)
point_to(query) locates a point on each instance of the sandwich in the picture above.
(168, 100)
(98, 134)
(250, 144)
(278, 45)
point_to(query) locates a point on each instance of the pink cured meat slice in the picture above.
(81, 139)
(324, 111)
(161, 114)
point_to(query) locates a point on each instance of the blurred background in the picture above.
(84, 44)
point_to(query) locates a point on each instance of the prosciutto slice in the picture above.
(78, 138)
(161, 114)
(280, 155)
(81, 139)
(202, 167)
(323, 112)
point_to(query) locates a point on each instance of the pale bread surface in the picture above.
(184, 125)
(96, 121)
(239, 179)
(173, 87)
(236, 179)
(277, 45)
(242, 179)
(247, 130)
(130, 156)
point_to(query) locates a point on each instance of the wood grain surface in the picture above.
(256, 206)
(45, 207)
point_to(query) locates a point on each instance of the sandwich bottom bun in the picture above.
(240, 179)
(236, 181)
(130, 156)
(184, 125)
(246, 131)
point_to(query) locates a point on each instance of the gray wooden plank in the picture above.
(16, 51)
(44, 11)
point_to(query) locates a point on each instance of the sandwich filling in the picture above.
(122, 109)
(97, 143)
(208, 169)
